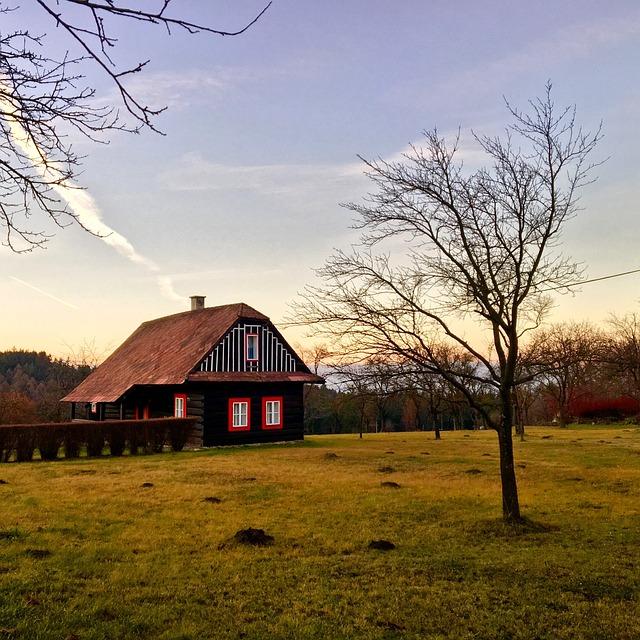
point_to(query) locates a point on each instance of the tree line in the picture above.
(32, 383)
(573, 372)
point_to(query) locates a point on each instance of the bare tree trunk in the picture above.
(510, 502)
(519, 417)
(434, 419)
(562, 417)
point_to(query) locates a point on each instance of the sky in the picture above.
(240, 199)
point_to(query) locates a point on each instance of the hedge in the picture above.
(111, 437)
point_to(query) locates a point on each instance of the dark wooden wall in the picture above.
(209, 402)
(216, 415)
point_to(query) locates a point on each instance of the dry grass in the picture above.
(88, 552)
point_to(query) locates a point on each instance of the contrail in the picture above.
(45, 293)
(85, 209)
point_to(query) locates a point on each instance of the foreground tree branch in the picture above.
(44, 99)
(481, 245)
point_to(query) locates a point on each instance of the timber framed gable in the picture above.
(251, 346)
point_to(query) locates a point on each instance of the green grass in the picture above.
(87, 553)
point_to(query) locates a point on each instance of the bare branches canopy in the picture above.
(46, 100)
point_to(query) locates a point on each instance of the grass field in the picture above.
(87, 552)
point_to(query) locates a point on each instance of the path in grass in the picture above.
(142, 547)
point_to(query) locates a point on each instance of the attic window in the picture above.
(251, 347)
(239, 414)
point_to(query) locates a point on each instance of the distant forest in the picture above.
(32, 383)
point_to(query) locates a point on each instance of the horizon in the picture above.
(240, 200)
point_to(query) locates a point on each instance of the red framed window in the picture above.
(251, 347)
(272, 412)
(180, 405)
(239, 414)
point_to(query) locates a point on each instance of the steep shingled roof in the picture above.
(162, 351)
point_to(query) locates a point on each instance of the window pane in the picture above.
(272, 409)
(240, 410)
(252, 347)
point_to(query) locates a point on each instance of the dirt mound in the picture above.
(390, 485)
(330, 455)
(253, 537)
(212, 500)
(381, 545)
(38, 554)
(386, 469)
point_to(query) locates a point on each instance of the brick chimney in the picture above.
(197, 302)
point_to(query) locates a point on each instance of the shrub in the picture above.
(116, 435)
(95, 439)
(73, 441)
(135, 437)
(6, 444)
(178, 435)
(48, 442)
(155, 436)
(25, 444)
(20, 441)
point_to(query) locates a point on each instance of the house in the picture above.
(228, 366)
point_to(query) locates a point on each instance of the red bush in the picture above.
(598, 408)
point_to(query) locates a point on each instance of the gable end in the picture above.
(230, 354)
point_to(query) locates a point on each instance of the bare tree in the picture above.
(622, 352)
(564, 357)
(480, 245)
(434, 391)
(45, 99)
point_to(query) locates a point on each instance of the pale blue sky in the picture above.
(240, 200)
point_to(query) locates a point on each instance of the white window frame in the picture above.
(273, 410)
(179, 406)
(272, 407)
(255, 338)
(239, 414)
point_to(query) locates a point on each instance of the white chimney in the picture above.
(197, 302)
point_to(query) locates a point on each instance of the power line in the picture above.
(609, 277)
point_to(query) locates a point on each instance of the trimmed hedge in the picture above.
(19, 443)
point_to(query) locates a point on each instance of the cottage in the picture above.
(228, 366)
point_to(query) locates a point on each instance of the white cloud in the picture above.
(193, 172)
(179, 90)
